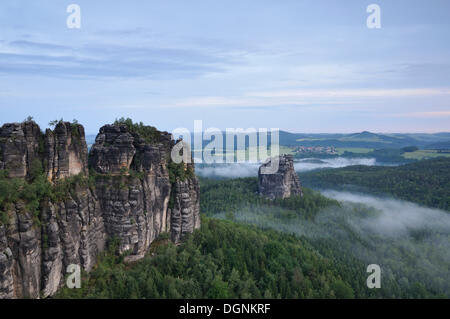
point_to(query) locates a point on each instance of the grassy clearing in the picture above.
(424, 154)
(357, 150)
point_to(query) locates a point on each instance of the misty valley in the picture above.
(313, 246)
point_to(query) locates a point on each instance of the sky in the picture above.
(298, 65)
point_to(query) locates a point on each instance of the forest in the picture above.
(229, 196)
(425, 182)
(414, 257)
(250, 247)
(222, 260)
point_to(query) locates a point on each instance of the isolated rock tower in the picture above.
(282, 184)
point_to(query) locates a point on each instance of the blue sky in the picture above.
(302, 66)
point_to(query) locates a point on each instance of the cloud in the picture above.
(352, 93)
(306, 97)
(436, 114)
(25, 44)
(107, 61)
(429, 70)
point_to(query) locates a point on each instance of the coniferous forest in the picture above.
(299, 247)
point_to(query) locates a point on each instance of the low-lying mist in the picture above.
(410, 243)
(235, 170)
(395, 218)
(228, 170)
(312, 164)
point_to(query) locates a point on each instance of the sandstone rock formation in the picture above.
(130, 195)
(19, 147)
(65, 151)
(282, 184)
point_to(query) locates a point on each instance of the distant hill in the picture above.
(438, 146)
(364, 139)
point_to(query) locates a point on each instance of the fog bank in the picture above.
(235, 170)
(395, 217)
(411, 243)
(310, 164)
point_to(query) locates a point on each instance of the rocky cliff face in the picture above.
(282, 184)
(20, 144)
(185, 213)
(130, 194)
(65, 151)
